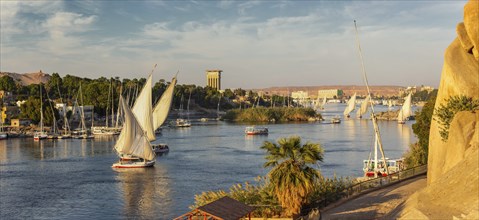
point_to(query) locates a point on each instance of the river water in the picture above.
(59, 179)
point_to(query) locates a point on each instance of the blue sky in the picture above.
(257, 44)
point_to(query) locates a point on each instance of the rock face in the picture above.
(28, 78)
(460, 76)
(455, 194)
(453, 166)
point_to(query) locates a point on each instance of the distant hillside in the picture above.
(348, 90)
(28, 78)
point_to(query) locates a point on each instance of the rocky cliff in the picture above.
(28, 78)
(453, 166)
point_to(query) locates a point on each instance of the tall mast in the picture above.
(82, 111)
(108, 105)
(112, 102)
(373, 116)
(188, 107)
(41, 110)
(119, 103)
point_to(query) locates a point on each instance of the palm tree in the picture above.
(291, 176)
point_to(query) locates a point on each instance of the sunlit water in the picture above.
(59, 179)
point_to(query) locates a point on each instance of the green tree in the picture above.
(418, 152)
(31, 110)
(7, 83)
(291, 176)
(53, 86)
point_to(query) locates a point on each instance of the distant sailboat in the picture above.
(323, 103)
(133, 145)
(181, 122)
(351, 105)
(364, 107)
(405, 112)
(320, 105)
(66, 126)
(83, 131)
(107, 130)
(40, 134)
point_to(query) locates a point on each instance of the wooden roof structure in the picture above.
(225, 208)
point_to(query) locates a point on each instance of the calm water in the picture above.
(58, 179)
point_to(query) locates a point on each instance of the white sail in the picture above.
(133, 140)
(162, 108)
(317, 104)
(364, 107)
(400, 117)
(351, 105)
(324, 102)
(405, 112)
(144, 111)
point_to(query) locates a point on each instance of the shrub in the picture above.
(445, 113)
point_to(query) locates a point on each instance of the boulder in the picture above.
(460, 76)
(454, 194)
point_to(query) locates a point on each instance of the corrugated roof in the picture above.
(227, 208)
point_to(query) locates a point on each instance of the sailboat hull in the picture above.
(133, 164)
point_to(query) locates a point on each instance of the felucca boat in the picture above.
(133, 146)
(364, 107)
(374, 167)
(351, 105)
(405, 112)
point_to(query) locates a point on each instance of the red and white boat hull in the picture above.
(131, 164)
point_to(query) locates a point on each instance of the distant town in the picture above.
(62, 93)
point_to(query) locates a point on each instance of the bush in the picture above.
(445, 113)
(418, 152)
(262, 114)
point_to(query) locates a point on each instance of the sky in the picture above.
(257, 44)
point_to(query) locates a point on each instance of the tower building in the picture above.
(213, 79)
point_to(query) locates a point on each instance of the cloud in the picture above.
(314, 45)
(242, 7)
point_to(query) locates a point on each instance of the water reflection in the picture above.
(3, 151)
(73, 178)
(146, 192)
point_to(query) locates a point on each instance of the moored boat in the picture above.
(107, 131)
(335, 120)
(40, 135)
(181, 123)
(160, 148)
(394, 165)
(252, 130)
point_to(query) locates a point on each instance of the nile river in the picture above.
(60, 179)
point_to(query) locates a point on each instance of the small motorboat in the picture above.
(335, 120)
(160, 148)
(256, 131)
